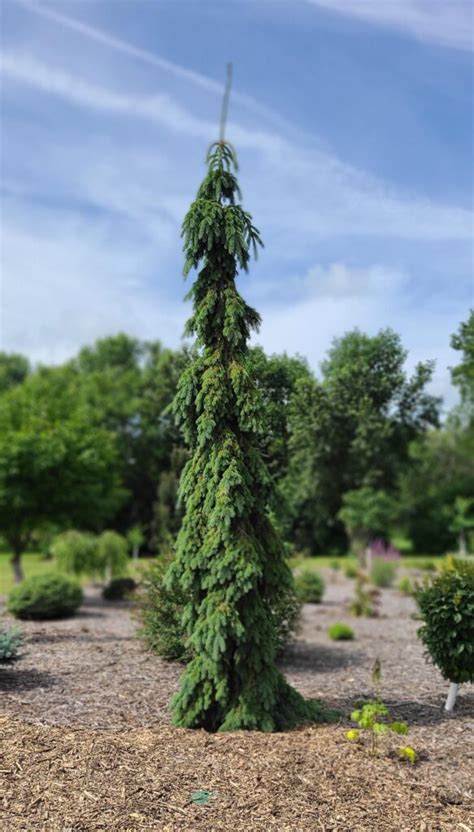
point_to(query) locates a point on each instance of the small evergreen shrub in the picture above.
(160, 611)
(382, 572)
(45, 597)
(112, 555)
(11, 642)
(118, 589)
(340, 632)
(75, 552)
(350, 570)
(309, 587)
(447, 610)
(405, 586)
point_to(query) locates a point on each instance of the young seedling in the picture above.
(373, 720)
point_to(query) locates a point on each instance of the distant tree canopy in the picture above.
(56, 465)
(351, 429)
(101, 423)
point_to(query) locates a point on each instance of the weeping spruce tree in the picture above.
(229, 560)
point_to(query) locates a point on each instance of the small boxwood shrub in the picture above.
(309, 587)
(382, 572)
(118, 589)
(11, 642)
(447, 609)
(340, 632)
(45, 597)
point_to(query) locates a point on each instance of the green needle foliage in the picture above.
(229, 561)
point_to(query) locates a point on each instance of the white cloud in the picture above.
(71, 281)
(338, 298)
(182, 73)
(322, 195)
(445, 22)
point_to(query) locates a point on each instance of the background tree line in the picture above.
(92, 444)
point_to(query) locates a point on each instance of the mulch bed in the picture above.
(86, 742)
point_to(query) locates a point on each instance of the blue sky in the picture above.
(353, 124)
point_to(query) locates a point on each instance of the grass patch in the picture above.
(34, 563)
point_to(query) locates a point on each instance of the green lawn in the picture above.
(34, 564)
(408, 561)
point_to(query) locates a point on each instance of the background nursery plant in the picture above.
(229, 560)
(447, 608)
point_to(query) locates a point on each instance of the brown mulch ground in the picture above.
(86, 742)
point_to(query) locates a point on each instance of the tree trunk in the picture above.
(462, 544)
(15, 562)
(368, 558)
(452, 694)
(135, 552)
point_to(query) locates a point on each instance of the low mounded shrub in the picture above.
(340, 632)
(118, 589)
(447, 610)
(45, 597)
(11, 642)
(382, 572)
(309, 587)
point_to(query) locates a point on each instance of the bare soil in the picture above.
(86, 742)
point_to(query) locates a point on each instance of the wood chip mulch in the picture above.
(57, 779)
(86, 744)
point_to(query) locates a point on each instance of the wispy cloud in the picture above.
(182, 73)
(354, 202)
(445, 22)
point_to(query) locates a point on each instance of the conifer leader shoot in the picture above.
(229, 560)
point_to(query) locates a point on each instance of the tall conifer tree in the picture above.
(229, 560)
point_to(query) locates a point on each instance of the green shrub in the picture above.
(405, 586)
(112, 555)
(160, 611)
(45, 597)
(11, 642)
(382, 572)
(350, 570)
(364, 603)
(335, 565)
(309, 587)
(447, 609)
(118, 588)
(75, 552)
(340, 632)
(426, 565)
(373, 718)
